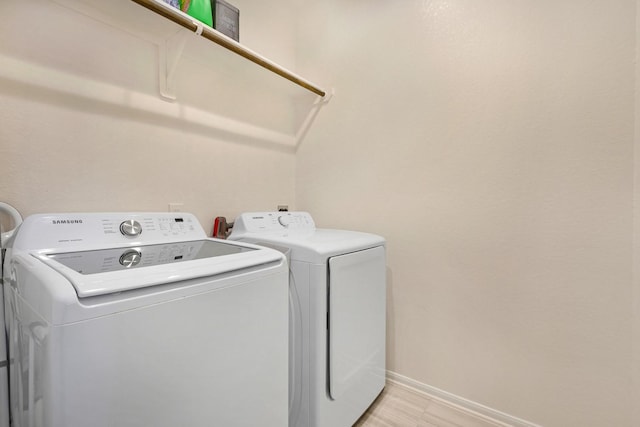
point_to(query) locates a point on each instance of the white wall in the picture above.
(492, 144)
(82, 127)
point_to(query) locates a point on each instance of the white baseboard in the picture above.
(461, 402)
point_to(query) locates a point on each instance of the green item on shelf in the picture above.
(199, 9)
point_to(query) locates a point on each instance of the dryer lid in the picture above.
(297, 231)
(318, 245)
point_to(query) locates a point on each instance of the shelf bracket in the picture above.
(170, 51)
(308, 121)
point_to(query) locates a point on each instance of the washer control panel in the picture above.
(90, 230)
(150, 226)
(273, 221)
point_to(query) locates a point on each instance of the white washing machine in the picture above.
(137, 319)
(337, 310)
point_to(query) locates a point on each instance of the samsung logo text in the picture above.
(66, 221)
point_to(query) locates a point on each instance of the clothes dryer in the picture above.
(337, 315)
(138, 319)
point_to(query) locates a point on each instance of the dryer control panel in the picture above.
(255, 222)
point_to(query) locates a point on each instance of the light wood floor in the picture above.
(400, 406)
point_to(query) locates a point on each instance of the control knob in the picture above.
(130, 258)
(131, 228)
(284, 220)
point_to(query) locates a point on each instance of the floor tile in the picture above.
(395, 407)
(456, 416)
(400, 406)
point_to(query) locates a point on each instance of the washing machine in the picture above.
(138, 319)
(337, 285)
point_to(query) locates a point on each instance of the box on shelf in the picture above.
(199, 9)
(226, 19)
(174, 3)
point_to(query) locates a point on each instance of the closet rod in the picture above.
(209, 33)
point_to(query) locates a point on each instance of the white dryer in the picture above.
(337, 311)
(137, 319)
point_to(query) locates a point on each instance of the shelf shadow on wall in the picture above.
(132, 106)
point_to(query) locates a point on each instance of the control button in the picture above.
(284, 220)
(130, 258)
(131, 228)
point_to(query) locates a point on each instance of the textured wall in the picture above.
(492, 144)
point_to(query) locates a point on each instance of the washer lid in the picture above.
(111, 270)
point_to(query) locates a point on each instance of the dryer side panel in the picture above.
(357, 327)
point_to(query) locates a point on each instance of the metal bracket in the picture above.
(325, 99)
(170, 51)
(308, 121)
